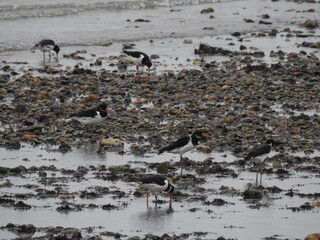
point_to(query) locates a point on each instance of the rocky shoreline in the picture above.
(237, 102)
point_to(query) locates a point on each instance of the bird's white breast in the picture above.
(152, 187)
(46, 48)
(137, 61)
(89, 120)
(183, 149)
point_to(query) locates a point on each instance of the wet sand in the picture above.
(289, 203)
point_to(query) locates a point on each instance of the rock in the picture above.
(29, 137)
(206, 49)
(207, 10)
(106, 44)
(163, 168)
(13, 145)
(141, 20)
(313, 236)
(187, 41)
(109, 207)
(316, 45)
(236, 34)
(264, 22)
(18, 170)
(22, 205)
(248, 20)
(4, 78)
(64, 147)
(21, 108)
(312, 24)
(252, 194)
(111, 142)
(216, 202)
(242, 47)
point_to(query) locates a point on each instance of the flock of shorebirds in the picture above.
(95, 116)
(139, 58)
(153, 183)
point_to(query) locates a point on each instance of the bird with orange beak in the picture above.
(48, 45)
(139, 58)
(184, 144)
(155, 184)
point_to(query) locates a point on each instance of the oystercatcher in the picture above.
(184, 144)
(155, 184)
(92, 116)
(46, 45)
(24, 231)
(257, 152)
(140, 59)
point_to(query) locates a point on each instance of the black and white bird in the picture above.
(24, 232)
(92, 116)
(139, 58)
(48, 45)
(184, 144)
(257, 153)
(155, 184)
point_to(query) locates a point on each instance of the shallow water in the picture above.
(94, 25)
(234, 220)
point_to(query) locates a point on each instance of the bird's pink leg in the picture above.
(137, 67)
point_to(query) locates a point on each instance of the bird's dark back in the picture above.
(177, 144)
(159, 180)
(258, 150)
(46, 42)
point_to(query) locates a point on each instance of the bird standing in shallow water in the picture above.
(140, 59)
(46, 45)
(92, 116)
(155, 184)
(184, 144)
(257, 152)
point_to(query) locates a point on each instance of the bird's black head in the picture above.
(56, 49)
(199, 134)
(271, 142)
(103, 107)
(147, 62)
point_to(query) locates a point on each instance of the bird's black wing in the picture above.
(159, 180)
(46, 42)
(177, 144)
(258, 150)
(86, 113)
(134, 54)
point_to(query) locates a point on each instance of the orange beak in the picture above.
(149, 69)
(204, 135)
(107, 110)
